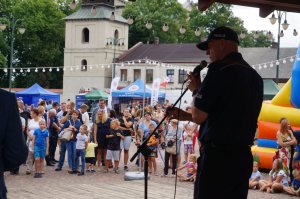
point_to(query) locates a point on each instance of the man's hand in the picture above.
(174, 112)
(72, 128)
(193, 82)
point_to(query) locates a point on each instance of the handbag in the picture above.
(171, 149)
(66, 134)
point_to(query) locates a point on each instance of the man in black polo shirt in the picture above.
(227, 104)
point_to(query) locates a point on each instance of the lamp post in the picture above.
(285, 26)
(114, 42)
(12, 23)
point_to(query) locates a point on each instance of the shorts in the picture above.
(125, 144)
(188, 148)
(153, 153)
(90, 160)
(39, 152)
(113, 155)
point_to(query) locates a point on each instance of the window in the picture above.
(116, 34)
(84, 65)
(136, 74)
(149, 75)
(182, 76)
(85, 35)
(123, 75)
(170, 75)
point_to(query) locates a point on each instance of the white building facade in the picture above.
(93, 39)
(164, 61)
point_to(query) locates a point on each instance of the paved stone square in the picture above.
(102, 185)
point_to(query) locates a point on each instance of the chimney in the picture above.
(274, 45)
(156, 40)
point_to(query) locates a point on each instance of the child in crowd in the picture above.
(81, 146)
(113, 148)
(191, 169)
(40, 143)
(278, 179)
(188, 137)
(255, 176)
(90, 157)
(294, 189)
(152, 145)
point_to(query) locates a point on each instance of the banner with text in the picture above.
(155, 91)
(113, 86)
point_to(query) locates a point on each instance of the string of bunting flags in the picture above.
(275, 62)
(133, 62)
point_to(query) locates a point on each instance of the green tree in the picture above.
(164, 11)
(64, 6)
(3, 61)
(42, 43)
(5, 10)
(157, 12)
(215, 16)
(3, 75)
(256, 39)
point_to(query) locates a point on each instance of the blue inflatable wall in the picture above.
(267, 143)
(295, 89)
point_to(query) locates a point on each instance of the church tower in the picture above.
(95, 35)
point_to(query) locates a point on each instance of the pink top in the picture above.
(190, 168)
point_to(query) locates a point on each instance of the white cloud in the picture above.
(252, 21)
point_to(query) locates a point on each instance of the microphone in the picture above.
(198, 69)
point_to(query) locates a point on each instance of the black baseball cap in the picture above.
(219, 33)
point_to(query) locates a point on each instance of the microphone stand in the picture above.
(146, 151)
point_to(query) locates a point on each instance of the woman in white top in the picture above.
(33, 124)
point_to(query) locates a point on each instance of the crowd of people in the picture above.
(285, 173)
(95, 144)
(98, 143)
(216, 101)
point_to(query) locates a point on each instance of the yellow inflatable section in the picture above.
(265, 156)
(283, 96)
(272, 113)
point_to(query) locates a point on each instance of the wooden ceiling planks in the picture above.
(265, 6)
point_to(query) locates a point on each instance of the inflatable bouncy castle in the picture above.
(285, 104)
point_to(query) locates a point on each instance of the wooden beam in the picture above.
(266, 6)
(265, 11)
(204, 4)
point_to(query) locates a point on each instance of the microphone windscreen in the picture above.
(203, 63)
(199, 67)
